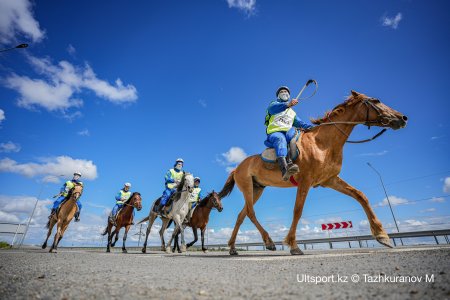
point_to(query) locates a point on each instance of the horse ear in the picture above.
(354, 93)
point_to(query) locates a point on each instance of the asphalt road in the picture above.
(82, 274)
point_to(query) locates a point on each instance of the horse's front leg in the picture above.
(183, 242)
(124, 250)
(175, 231)
(302, 192)
(376, 227)
(204, 249)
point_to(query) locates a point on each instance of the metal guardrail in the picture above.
(358, 238)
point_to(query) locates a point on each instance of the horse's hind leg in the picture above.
(50, 228)
(257, 192)
(376, 227)
(116, 234)
(161, 233)
(108, 247)
(151, 219)
(124, 250)
(194, 231)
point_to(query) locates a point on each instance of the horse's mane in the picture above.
(337, 110)
(132, 195)
(180, 187)
(204, 201)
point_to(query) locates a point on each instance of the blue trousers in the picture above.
(279, 140)
(61, 198)
(166, 195)
(116, 208)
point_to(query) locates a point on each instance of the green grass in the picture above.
(4, 245)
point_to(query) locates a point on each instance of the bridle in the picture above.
(380, 120)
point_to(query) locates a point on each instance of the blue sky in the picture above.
(120, 90)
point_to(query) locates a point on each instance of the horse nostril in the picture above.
(405, 118)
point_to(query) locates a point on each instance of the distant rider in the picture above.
(121, 197)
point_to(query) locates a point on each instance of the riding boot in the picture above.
(292, 168)
(77, 216)
(283, 167)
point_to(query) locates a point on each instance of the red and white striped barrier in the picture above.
(338, 225)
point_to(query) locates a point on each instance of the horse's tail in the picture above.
(106, 228)
(228, 186)
(143, 220)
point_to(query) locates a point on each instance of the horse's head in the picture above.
(188, 182)
(136, 201)
(217, 203)
(76, 191)
(372, 112)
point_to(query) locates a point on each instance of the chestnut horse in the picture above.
(63, 217)
(124, 219)
(320, 162)
(200, 218)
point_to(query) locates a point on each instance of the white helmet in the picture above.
(77, 173)
(127, 184)
(197, 179)
(179, 160)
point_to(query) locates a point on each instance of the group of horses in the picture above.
(319, 161)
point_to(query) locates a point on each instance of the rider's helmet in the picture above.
(282, 88)
(127, 184)
(197, 179)
(77, 173)
(179, 160)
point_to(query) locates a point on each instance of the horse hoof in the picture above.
(183, 249)
(296, 251)
(179, 251)
(205, 250)
(44, 246)
(233, 251)
(271, 247)
(144, 250)
(385, 241)
(124, 251)
(107, 250)
(168, 250)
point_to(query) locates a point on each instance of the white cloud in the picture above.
(235, 155)
(60, 85)
(84, 132)
(437, 199)
(247, 6)
(433, 138)
(392, 22)
(16, 17)
(202, 103)
(410, 223)
(446, 187)
(19, 208)
(51, 166)
(9, 147)
(232, 158)
(2, 115)
(394, 201)
(71, 50)
(428, 210)
(374, 153)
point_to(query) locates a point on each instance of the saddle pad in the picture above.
(269, 155)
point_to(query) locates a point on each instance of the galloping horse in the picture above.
(124, 219)
(200, 218)
(320, 162)
(63, 217)
(177, 213)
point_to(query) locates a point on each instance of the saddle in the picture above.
(269, 156)
(168, 207)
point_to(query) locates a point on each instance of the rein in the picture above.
(367, 122)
